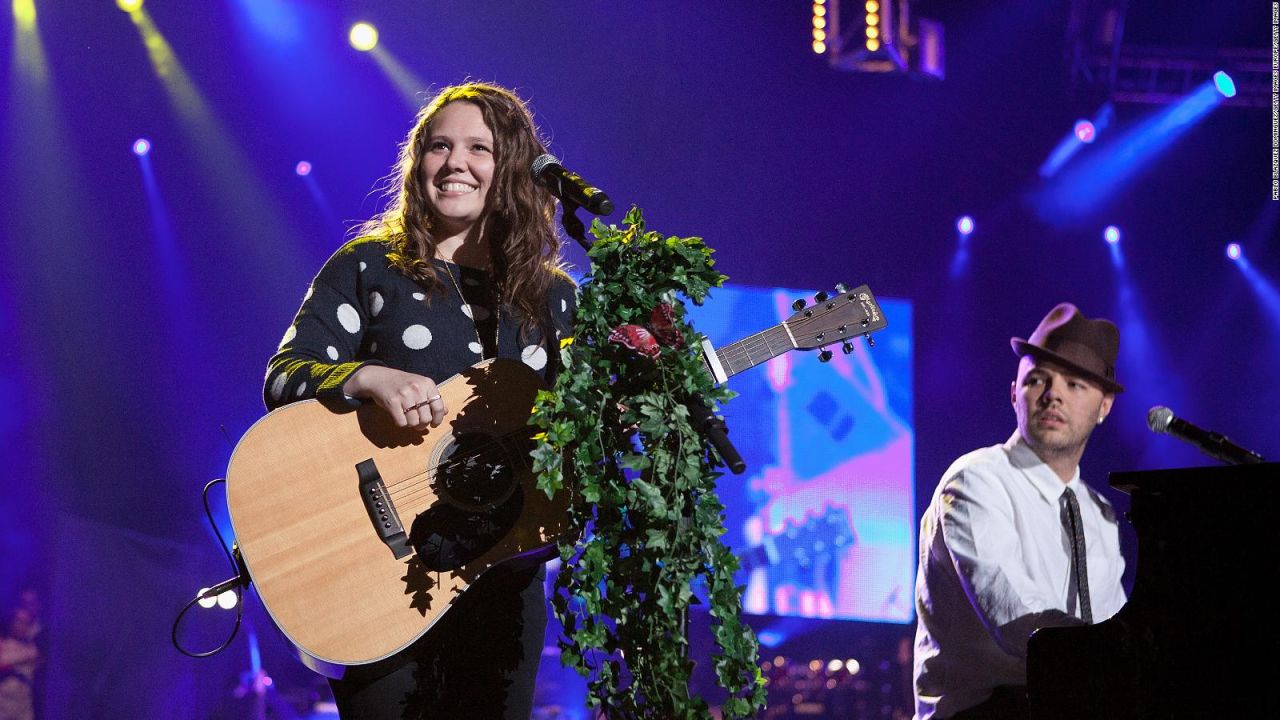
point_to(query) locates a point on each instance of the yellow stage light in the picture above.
(873, 44)
(819, 47)
(873, 6)
(129, 5)
(363, 36)
(873, 32)
(819, 10)
(873, 19)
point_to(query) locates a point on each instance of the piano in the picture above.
(1197, 637)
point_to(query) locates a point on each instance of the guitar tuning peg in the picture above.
(842, 288)
(847, 347)
(820, 297)
(871, 342)
(798, 305)
(824, 356)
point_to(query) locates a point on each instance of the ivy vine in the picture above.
(646, 523)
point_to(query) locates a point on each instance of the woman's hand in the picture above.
(411, 400)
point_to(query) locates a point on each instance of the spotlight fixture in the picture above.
(141, 147)
(1234, 252)
(303, 168)
(363, 36)
(1111, 234)
(1085, 131)
(129, 5)
(1224, 83)
(965, 225)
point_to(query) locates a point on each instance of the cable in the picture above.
(235, 583)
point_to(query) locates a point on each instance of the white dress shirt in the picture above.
(995, 565)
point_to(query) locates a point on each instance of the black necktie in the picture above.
(1079, 564)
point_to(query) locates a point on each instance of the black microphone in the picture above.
(1162, 420)
(568, 186)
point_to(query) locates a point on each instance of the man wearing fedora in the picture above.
(1013, 540)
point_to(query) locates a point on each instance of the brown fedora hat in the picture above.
(1070, 339)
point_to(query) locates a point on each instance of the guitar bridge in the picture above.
(377, 502)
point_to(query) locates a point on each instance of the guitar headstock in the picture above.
(837, 318)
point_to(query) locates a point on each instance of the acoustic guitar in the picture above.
(360, 535)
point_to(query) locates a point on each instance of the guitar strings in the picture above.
(399, 494)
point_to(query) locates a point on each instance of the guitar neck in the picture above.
(725, 362)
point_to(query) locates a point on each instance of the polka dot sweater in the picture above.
(362, 311)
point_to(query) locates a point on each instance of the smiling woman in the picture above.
(461, 269)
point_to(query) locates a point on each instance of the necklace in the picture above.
(475, 325)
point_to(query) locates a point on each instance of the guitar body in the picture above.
(359, 535)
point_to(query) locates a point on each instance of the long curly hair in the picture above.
(518, 222)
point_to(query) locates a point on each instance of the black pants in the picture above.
(1007, 702)
(479, 661)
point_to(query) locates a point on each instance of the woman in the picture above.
(463, 265)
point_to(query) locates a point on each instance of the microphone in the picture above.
(569, 186)
(1162, 420)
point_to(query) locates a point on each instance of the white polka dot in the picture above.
(301, 389)
(535, 356)
(332, 352)
(289, 335)
(362, 266)
(419, 297)
(349, 318)
(416, 337)
(375, 303)
(564, 305)
(476, 348)
(477, 313)
(373, 347)
(277, 385)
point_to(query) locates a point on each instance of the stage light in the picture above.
(129, 5)
(873, 6)
(141, 147)
(1111, 234)
(964, 225)
(206, 602)
(853, 666)
(1233, 251)
(303, 168)
(873, 44)
(1085, 131)
(24, 14)
(363, 36)
(835, 666)
(819, 47)
(1224, 83)
(228, 599)
(819, 35)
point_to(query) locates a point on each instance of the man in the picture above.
(1013, 541)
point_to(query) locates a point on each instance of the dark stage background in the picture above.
(141, 300)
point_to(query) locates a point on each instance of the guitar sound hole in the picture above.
(474, 473)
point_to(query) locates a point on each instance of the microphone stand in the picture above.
(573, 227)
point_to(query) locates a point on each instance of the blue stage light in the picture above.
(141, 147)
(1085, 131)
(303, 168)
(1233, 251)
(1224, 83)
(1111, 234)
(965, 225)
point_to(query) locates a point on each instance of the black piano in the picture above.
(1197, 638)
